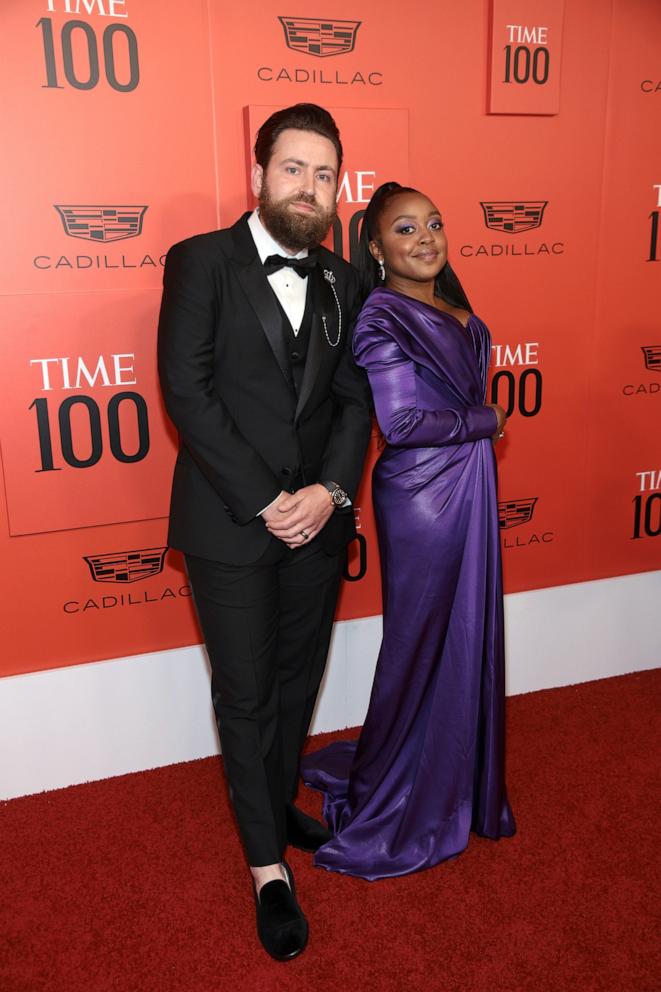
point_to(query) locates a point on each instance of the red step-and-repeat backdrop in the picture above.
(534, 126)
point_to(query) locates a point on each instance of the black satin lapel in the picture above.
(312, 363)
(323, 305)
(262, 300)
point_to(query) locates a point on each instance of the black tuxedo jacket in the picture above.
(245, 435)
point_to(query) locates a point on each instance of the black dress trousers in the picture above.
(267, 628)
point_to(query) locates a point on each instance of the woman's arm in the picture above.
(392, 379)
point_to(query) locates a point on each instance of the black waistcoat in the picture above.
(297, 344)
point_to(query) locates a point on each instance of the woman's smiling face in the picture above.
(411, 241)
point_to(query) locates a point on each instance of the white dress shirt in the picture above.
(287, 285)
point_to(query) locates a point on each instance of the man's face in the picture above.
(297, 189)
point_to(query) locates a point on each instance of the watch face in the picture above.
(338, 496)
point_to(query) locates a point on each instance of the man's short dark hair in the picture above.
(301, 117)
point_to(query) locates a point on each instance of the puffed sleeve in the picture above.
(392, 378)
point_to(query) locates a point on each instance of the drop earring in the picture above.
(382, 271)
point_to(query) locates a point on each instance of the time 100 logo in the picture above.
(523, 62)
(82, 447)
(76, 56)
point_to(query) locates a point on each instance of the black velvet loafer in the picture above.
(282, 928)
(304, 832)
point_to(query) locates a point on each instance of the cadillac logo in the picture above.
(514, 512)
(319, 37)
(652, 353)
(126, 566)
(102, 223)
(513, 217)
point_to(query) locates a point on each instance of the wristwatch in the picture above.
(337, 494)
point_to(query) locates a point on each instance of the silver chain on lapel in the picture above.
(330, 279)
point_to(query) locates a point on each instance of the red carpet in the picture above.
(136, 883)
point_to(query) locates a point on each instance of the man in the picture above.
(257, 375)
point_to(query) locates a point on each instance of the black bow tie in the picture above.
(302, 266)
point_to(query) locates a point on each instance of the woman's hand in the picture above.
(502, 418)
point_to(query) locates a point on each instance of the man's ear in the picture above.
(257, 179)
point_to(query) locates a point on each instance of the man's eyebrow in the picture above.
(299, 161)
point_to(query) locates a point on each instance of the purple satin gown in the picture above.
(429, 765)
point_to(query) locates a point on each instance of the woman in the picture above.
(429, 765)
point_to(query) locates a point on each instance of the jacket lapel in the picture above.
(251, 275)
(323, 306)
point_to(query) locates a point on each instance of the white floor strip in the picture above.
(71, 725)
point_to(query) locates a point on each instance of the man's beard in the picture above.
(294, 231)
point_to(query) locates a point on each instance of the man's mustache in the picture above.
(304, 198)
